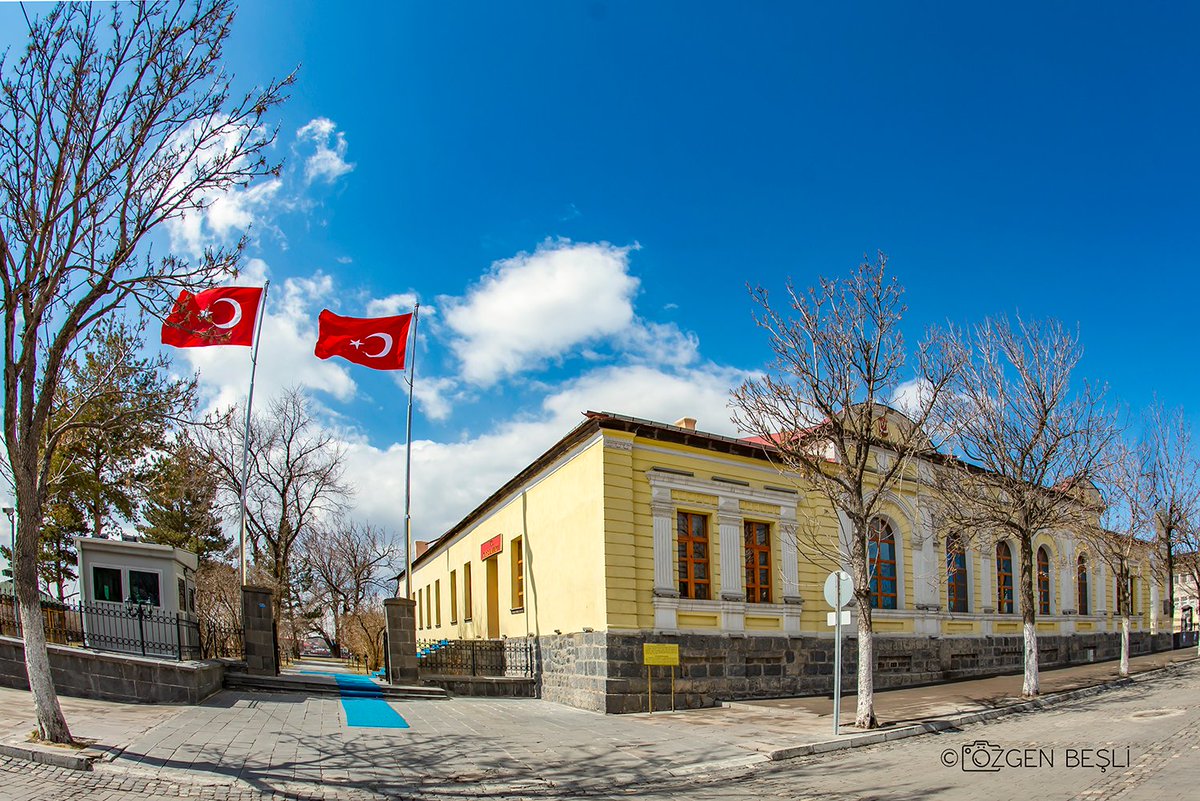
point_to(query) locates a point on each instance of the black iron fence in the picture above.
(505, 657)
(130, 628)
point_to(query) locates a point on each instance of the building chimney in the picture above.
(421, 547)
(686, 422)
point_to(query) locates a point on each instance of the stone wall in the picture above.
(115, 677)
(604, 672)
(573, 668)
(259, 630)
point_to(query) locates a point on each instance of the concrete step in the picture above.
(322, 685)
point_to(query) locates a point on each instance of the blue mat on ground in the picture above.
(362, 700)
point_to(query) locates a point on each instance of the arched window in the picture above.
(1004, 579)
(1043, 581)
(881, 555)
(956, 574)
(1081, 588)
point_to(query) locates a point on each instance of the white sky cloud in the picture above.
(537, 306)
(393, 305)
(327, 162)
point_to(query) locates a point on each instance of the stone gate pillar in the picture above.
(258, 629)
(401, 640)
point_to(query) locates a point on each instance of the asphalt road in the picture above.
(1137, 742)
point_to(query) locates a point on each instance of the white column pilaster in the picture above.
(666, 589)
(789, 553)
(1067, 602)
(729, 524)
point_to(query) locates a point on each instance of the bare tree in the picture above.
(821, 405)
(1030, 447)
(1174, 486)
(294, 481)
(364, 630)
(111, 123)
(1187, 565)
(1123, 539)
(346, 562)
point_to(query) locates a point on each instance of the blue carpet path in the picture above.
(363, 702)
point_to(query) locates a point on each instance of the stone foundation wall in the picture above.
(115, 677)
(604, 672)
(572, 669)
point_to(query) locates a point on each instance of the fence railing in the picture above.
(506, 657)
(130, 628)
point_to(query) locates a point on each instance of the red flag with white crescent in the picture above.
(376, 342)
(221, 316)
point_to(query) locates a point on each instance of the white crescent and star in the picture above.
(237, 312)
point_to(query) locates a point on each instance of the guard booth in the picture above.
(138, 598)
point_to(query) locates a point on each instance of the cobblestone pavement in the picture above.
(1147, 734)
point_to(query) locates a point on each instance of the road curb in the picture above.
(49, 755)
(954, 722)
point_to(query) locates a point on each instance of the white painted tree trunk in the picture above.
(864, 716)
(52, 725)
(1126, 624)
(1030, 686)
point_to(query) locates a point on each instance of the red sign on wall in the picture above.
(492, 547)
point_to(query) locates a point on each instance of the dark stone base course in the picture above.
(484, 686)
(604, 672)
(115, 677)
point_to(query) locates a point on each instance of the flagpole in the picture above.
(412, 373)
(246, 435)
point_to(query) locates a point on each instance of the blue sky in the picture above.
(579, 192)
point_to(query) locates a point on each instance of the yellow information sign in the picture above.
(660, 653)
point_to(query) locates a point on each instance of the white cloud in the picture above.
(328, 159)
(538, 306)
(393, 305)
(660, 343)
(225, 214)
(433, 396)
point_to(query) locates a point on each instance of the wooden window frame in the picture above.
(1083, 598)
(1005, 584)
(437, 603)
(685, 540)
(467, 601)
(517, 566)
(1045, 603)
(453, 597)
(756, 590)
(958, 599)
(880, 533)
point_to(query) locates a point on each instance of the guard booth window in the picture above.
(106, 584)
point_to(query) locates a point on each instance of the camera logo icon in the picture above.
(981, 757)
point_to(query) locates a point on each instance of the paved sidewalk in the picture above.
(281, 743)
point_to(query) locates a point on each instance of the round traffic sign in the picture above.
(839, 586)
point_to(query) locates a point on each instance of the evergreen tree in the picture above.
(181, 504)
(103, 459)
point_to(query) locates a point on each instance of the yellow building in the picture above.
(629, 531)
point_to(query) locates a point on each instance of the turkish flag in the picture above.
(375, 342)
(221, 316)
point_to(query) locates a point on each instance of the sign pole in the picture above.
(837, 662)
